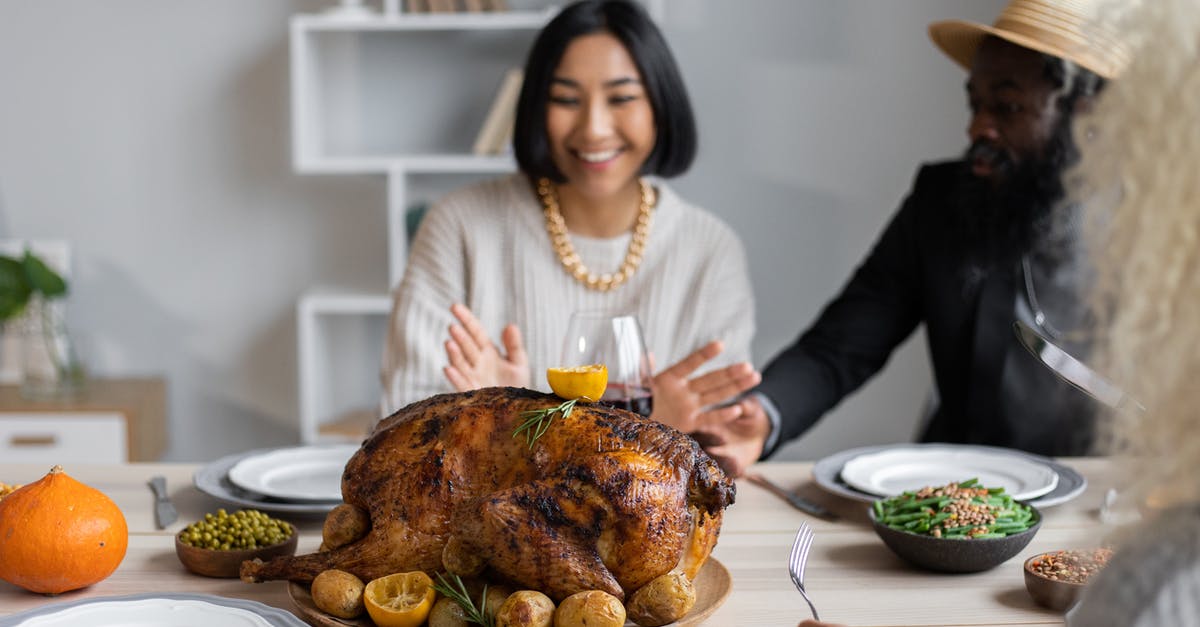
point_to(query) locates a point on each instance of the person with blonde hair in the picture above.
(1147, 259)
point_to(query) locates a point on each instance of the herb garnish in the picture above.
(457, 591)
(536, 421)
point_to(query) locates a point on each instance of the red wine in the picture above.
(637, 400)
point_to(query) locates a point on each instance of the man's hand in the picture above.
(734, 436)
(678, 399)
(475, 362)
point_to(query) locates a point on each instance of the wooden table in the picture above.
(852, 577)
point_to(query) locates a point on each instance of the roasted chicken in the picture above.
(603, 500)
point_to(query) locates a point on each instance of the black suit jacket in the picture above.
(991, 390)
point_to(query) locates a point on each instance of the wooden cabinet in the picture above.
(112, 421)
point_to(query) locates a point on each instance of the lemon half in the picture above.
(400, 600)
(585, 382)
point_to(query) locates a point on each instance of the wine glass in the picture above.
(595, 337)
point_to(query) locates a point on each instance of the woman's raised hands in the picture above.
(475, 362)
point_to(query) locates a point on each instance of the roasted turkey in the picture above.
(604, 500)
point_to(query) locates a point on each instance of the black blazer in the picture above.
(991, 390)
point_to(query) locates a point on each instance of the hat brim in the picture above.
(960, 40)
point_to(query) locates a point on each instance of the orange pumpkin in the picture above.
(57, 534)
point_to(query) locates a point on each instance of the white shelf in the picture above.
(334, 301)
(500, 20)
(413, 164)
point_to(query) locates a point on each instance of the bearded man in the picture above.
(977, 243)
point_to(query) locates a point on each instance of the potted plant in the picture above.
(29, 295)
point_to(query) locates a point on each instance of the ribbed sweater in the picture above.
(486, 246)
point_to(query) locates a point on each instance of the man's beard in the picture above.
(1000, 222)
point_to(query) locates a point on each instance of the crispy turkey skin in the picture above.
(604, 500)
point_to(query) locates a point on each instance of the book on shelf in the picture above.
(495, 135)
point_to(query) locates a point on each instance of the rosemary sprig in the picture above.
(536, 421)
(457, 591)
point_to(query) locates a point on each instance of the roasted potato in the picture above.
(590, 608)
(447, 613)
(338, 593)
(343, 525)
(457, 559)
(526, 608)
(666, 599)
(496, 596)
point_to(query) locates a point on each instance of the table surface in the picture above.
(851, 576)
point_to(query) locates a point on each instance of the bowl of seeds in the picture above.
(216, 545)
(955, 528)
(1056, 578)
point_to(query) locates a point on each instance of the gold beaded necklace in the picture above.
(557, 228)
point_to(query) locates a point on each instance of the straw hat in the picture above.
(1068, 29)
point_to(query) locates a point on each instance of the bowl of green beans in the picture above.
(956, 528)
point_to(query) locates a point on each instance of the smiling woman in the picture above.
(587, 224)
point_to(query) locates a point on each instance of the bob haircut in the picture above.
(675, 142)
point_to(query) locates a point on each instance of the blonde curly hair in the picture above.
(1145, 151)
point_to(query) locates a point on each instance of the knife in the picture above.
(1074, 371)
(793, 499)
(164, 511)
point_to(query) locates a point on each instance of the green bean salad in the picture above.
(962, 510)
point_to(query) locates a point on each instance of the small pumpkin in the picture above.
(57, 534)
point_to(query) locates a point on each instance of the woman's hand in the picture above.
(475, 362)
(678, 399)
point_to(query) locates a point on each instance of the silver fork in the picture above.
(797, 560)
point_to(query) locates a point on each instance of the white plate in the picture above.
(213, 480)
(890, 472)
(155, 610)
(305, 473)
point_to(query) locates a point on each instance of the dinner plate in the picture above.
(827, 472)
(213, 480)
(154, 610)
(896, 470)
(713, 584)
(302, 473)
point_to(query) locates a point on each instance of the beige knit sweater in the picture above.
(486, 246)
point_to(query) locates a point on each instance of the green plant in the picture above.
(21, 279)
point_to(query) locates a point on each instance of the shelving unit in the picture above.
(402, 96)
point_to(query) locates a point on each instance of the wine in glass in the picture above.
(595, 337)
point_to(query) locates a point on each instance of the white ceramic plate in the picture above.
(304, 473)
(890, 472)
(213, 480)
(827, 473)
(155, 610)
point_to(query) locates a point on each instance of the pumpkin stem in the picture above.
(56, 470)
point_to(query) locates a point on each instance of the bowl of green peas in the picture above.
(956, 528)
(216, 545)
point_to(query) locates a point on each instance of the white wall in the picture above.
(154, 136)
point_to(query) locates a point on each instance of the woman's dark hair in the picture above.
(675, 144)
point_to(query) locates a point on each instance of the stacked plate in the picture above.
(874, 472)
(295, 480)
(153, 609)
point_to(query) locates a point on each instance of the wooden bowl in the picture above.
(950, 555)
(217, 563)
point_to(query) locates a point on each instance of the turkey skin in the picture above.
(604, 500)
